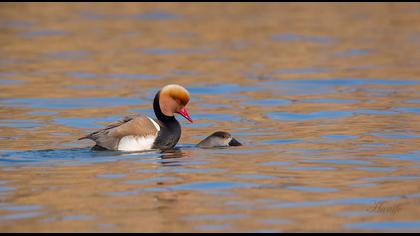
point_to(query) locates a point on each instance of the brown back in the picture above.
(110, 136)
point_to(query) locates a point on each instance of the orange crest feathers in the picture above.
(176, 92)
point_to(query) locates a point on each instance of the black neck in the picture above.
(158, 112)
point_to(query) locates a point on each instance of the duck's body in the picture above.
(140, 132)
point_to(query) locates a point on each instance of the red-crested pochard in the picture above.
(140, 132)
(219, 139)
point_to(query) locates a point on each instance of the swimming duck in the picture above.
(140, 132)
(219, 139)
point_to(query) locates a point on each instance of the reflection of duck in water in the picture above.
(140, 132)
(219, 139)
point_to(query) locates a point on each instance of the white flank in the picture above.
(155, 124)
(136, 143)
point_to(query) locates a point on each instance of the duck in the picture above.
(215, 140)
(139, 132)
(219, 139)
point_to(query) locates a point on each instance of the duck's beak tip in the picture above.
(185, 114)
(234, 142)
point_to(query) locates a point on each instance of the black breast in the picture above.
(170, 130)
(168, 135)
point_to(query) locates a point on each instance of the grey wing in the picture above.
(102, 137)
(110, 136)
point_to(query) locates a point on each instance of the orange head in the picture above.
(173, 99)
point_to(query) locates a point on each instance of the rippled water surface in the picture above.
(324, 97)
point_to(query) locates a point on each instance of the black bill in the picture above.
(234, 142)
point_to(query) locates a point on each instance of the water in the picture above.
(324, 97)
